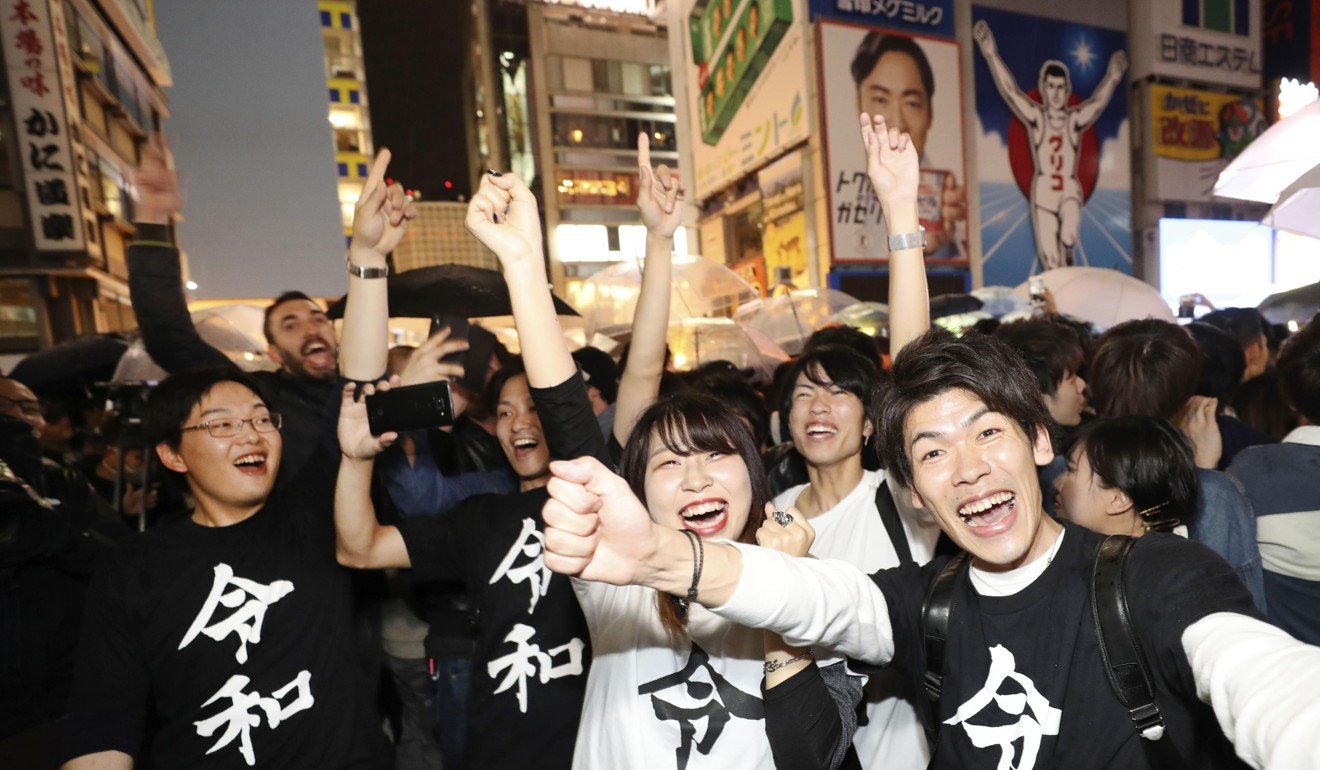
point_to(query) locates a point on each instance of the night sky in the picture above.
(414, 58)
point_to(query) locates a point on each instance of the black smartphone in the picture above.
(427, 405)
(476, 359)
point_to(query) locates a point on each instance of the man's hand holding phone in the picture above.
(355, 439)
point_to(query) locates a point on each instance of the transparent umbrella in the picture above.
(234, 330)
(697, 341)
(869, 317)
(1275, 159)
(1101, 296)
(699, 287)
(1298, 209)
(790, 318)
(1001, 301)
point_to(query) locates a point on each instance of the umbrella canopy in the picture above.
(1101, 296)
(699, 287)
(869, 317)
(1298, 209)
(1300, 305)
(234, 330)
(1275, 159)
(71, 367)
(1001, 301)
(945, 305)
(790, 318)
(697, 341)
(458, 290)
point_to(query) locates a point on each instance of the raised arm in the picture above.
(503, 216)
(659, 201)
(361, 541)
(1088, 112)
(892, 165)
(155, 277)
(1021, 104)
(380, 220)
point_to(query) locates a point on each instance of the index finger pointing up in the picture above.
(643, 150)
(376, 177)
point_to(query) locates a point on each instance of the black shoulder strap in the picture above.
(1124, 664)
(935, 614)
(884, 503)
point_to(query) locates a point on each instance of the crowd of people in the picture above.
(1032, 545)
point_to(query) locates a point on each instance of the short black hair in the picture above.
(848, 370)
(938, 362)
(280, 300)
(1145, 367)
(491, 395)
(1055, 70)
(1051, 350)
(848, 337)
(1260, 404)
(737, 394)
(1244, 324)
(1222, 362)
(1149, 460)
(173, 400)
(1299, 371)
(599, 370)
(876, 44)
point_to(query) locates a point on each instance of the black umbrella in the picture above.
(71, 366)
(1298, 305)
(944, 305)
(455, 290)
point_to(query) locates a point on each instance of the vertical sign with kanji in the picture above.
(49, 163)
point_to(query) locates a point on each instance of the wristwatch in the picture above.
(916, 240)
(366, 272)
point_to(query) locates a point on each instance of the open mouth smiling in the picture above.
(990, 514)
(705, 517)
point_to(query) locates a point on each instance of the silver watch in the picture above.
(366, 272)
(916, 240)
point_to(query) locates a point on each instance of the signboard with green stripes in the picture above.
(732, 41)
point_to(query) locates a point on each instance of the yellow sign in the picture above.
(1189, 124)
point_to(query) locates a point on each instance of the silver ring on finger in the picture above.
(782, 518)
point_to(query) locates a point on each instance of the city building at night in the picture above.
(346, 84)
(82, 93)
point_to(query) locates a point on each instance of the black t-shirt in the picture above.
(1027, 667)
(225, 647)
(529, 669)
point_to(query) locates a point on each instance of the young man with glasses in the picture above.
(223, 638)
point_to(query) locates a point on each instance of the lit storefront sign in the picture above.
(596, 188)
(1294, 95)
(1193, 136)
(1215, 41)
(930, 17)
(51, 157)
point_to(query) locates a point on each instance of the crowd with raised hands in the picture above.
(1033, 546)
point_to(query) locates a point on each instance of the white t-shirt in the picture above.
(643, 688)
(853, 532)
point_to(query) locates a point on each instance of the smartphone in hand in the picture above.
(428, 405)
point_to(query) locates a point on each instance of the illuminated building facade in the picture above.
(81, 94)
(346, 83)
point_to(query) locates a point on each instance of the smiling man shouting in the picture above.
(1019, 679)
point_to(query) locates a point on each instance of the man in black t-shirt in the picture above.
(222, 639)
(1024, 685)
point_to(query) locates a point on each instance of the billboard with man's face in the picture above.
(916, 84)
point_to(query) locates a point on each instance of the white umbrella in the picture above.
(697, 341)
(1101, 296)
(790, 318)
(1275, 159)
(1298, 209)
(699, 287)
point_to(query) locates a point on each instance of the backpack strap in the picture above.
(884, 503)
(935, 614)
(1125, 666)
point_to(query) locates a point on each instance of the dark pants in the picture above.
(449, 708)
